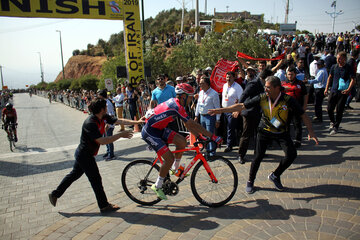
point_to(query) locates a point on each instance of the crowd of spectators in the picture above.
(308, 58)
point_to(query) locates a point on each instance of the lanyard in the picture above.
(205, 96)
(271, 107)
(228, 89)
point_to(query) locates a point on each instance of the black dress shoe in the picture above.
(241, 160)
(297, 143)
(228, 149)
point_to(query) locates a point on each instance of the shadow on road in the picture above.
(197, 216)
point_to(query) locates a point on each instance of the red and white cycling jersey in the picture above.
(164, 113)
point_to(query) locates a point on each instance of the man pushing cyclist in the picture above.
(156, 134)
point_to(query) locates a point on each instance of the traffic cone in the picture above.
(136, 126)
(192, 139)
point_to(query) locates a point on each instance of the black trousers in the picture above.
(87, 165)
(319, 98)
(336, 100)
(297, 121)
(250, 125)
(262, 141)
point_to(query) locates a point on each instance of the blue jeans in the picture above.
(231, 127)
(110, 146)
(208, 122)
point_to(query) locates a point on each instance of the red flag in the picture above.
(218, 75)
(243, 55)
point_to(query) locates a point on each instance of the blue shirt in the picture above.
(320, 79)
(162, 95)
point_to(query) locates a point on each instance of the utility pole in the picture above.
(2, 78)
(182, 16)
(205, 7)
(334, 15)
(287, 11)
(196, 20)
(41, 68)
(143, 24)
(62, 59)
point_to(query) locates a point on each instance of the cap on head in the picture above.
(251, 68)
(320, 62)
(179, 78)
(103, 93)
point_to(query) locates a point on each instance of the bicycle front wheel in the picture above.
(137, 178)
(210, 193)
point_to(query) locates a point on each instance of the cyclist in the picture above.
(156, 134)
(8, 116)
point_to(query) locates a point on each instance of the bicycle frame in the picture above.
(198, 156)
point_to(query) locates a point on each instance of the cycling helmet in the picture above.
(184, 88)
(9, 106)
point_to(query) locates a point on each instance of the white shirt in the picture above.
(207, 100)
(313, 68)
(110, 110)
(119, 99)
(231, 95)
(280, 74)
(358, 68)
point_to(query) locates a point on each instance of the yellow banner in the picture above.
(90, 9)
(133, 41)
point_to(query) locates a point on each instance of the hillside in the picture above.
(81, 65)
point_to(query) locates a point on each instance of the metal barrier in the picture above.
(79, 103)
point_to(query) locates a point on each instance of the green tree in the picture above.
(202, 32)
(76, 52)
(357, 27)
(64, 84)
(41, 86)
(182, 59)
(75, 85)
(89, 82)
(155, 59)
(51, 86)
(108, 70)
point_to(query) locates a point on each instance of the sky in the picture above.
(24, 40)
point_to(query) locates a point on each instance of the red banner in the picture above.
(218, 75)
(243, 55)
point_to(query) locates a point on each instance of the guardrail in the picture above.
(80, 103)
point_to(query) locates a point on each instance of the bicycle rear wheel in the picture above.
(213, 194)
(137, 178)
(11, 139)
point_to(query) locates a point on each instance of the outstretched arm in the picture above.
(113, 138)
(124, 121)
(233, 108)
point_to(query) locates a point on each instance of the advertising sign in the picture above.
(133, 41)
(126, 10)
(90, 9)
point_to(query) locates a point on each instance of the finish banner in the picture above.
(133, 42)
(90, 9)
(218, 75)
(247, 57)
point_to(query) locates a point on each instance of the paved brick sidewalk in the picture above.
(321, 201)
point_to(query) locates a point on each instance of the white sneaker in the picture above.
(333, 131)
(331, 127)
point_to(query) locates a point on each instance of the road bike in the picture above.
(213, 181)
(11, 135)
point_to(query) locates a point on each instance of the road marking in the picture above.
(55, 149)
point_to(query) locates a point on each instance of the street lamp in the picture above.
(334, 14)
(41, 68)
(62, 59)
